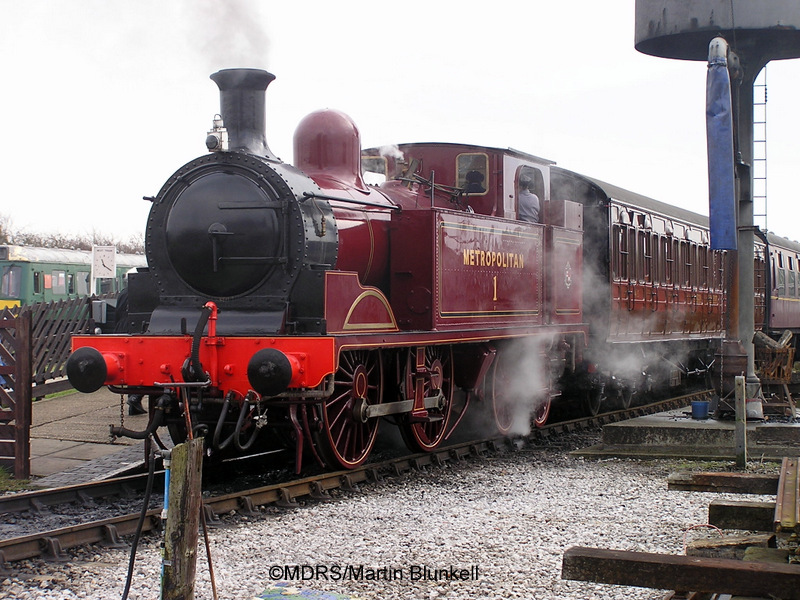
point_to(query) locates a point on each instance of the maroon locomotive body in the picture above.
(301, 301)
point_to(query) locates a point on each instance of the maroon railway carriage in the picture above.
(654, 290)
(777, 282)
(779, 285)
(297, 304)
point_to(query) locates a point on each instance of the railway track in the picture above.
(109, 531)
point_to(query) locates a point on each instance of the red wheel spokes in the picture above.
(426, 436)
(347, 439)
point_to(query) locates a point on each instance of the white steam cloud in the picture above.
(228, 33)
(523, 383)
(391, 151)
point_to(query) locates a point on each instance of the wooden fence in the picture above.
(34, 347)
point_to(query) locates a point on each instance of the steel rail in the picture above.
(52, 544)
(80, 493)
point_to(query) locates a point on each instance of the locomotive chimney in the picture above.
(242, 93)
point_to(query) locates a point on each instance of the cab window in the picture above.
(472, 173)
(374, 169)
(530, 194)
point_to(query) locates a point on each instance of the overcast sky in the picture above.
(104, 99)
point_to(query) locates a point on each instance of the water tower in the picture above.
(756, 32)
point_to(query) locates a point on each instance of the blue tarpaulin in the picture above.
(719, 131)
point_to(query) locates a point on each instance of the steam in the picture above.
(391, 157)
(391, 151)
(523, 381)
(228, 33)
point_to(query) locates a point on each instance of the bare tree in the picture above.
(8, 235)
(5, 229)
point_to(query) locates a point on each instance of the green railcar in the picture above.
(29, 275)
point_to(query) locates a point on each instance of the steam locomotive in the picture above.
(300, 305)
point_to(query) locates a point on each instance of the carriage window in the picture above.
(620, 252)
(666, 253)
(792, 291)
(774, 270)
(83, 283)
(646, 253)
(37, 282)
(70, 283)
(633, 257)
(676, 265)
(11, 283)
(781, 282)
(654, 239)
(686, 264)
(59, 283)
(759, 269)
(715, 276)
(472, 173)
(702, 260)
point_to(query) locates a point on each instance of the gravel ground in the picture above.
(506, 521)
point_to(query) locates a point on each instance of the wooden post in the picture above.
(183, 521)
(740, 433)
(23, 395)
(684, 573)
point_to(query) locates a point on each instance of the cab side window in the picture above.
(374, 169)
(472, 173)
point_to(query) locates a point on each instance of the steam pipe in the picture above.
(158, 419)
(193, 369)
(238, 431)
(220, 422)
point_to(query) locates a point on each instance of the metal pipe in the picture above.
(155, 422)
(237, 432)
(216, 444)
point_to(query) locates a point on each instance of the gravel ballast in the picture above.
(491, 528)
